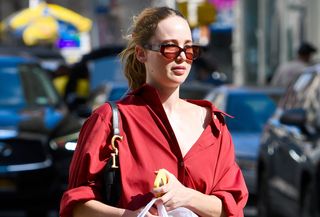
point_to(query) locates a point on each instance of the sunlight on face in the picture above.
(173, 28)
(160, 70)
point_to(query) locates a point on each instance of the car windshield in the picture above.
(250, 111)
(25, 85)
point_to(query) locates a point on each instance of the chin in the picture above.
(179, 79)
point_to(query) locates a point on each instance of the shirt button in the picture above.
(181, 163)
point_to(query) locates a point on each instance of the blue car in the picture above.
(37, 136)
(250, 107)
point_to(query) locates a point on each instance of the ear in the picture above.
(141, 54)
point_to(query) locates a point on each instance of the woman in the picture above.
(186, 137)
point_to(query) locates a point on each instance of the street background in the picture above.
(245, 40)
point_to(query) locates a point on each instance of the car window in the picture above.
(304, 93)
(302, 82)
(37, 87)
(250, 111)
(26, 84)
(10, 87)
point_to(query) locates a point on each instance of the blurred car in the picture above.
(289, 156)
(92, 74)
(48, 58)
(104, 66)
(109, 91)
(36, 131)
(195, 90)
(251, 108)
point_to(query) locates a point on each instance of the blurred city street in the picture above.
(59, 60)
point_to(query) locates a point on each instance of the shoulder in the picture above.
(104, 112)
(216, 114)
(210, 107)
(103, 109)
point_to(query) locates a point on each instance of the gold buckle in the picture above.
(115, 149)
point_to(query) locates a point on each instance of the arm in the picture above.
(87, 163)
(94, 208)
(84, 191)
(212, 207)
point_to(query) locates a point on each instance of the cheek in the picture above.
(159, 65)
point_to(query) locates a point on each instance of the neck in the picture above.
(169, 98)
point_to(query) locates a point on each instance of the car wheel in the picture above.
(263, 196)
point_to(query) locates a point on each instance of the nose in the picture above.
(182, 55)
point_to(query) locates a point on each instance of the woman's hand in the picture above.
(174, 194)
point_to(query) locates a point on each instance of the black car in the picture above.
(289, 156)
(37, 137)
(93, 76)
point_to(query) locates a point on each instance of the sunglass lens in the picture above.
(171, 51)
(192, 52)
(189, 53)
(195, 52)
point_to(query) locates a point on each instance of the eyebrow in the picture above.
(175, 41)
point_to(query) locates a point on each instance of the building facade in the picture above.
(268, 33)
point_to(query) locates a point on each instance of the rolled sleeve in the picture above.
(89, 160)
(233, 192)
(73, 196)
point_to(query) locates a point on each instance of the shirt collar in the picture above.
(150, 95)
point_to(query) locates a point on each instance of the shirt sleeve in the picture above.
(230, 187)
(88, 161)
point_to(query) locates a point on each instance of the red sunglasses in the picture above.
(172, 51)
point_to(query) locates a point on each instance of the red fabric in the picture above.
(150, 144)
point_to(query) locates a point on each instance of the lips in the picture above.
(178, 70)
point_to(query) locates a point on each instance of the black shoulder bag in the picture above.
(112, 179)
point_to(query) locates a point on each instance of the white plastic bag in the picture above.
(179, 212)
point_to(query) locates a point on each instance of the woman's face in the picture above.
(164, 72)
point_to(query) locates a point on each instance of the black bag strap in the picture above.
(116, 133)
(112, 180)
(115, 118)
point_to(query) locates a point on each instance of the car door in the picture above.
(292, 144)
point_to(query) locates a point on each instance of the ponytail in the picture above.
(134, 70)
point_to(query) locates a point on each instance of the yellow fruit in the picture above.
(161, 179)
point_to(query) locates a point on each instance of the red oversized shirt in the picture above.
(150, 144)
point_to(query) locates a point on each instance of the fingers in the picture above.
(161, 182)
(158, 192)
(151, 215)
(153, 211)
